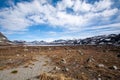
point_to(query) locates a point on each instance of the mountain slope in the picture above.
(4, 40)
(113, 39)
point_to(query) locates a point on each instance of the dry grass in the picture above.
(46, 76)
(14, 71)
(2, 68)
(75, 62)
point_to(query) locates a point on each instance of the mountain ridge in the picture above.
(111, 39)
(4, 40)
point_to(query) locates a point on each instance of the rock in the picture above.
(100, 65)
(99, 75)
(57, 68)
(90, 59)
(17, 55)
(66, 69)
(24, 55)
(99, 79)
(80, 52)
(63, 61)
(113, 67)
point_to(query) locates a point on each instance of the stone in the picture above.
(24, 55)
(63, 61)
(100, 65)
(113, 67)
(99, 79)
(80, 52)
(57, 68)
(66, 69)
(99, 75)
(17, 55)
(90, 59)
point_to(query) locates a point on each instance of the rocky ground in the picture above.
(85, 62)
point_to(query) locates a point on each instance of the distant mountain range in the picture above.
(111, 39)
(30, 43)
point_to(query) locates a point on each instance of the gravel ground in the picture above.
(28, 73)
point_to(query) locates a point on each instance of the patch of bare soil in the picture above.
(28, 71)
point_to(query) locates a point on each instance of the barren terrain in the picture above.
(85, 62)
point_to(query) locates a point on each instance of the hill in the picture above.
(4, 40)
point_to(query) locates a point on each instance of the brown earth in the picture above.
(76, 62)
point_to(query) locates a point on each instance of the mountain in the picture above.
(112, 39)
(4, 40)
(36, 43)
(21, 42)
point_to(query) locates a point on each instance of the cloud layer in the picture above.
(69, 14)
(79, 17)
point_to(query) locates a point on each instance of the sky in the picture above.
(50, 20)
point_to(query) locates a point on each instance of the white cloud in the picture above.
(80, 6)
(25, 14)
(102, 5)
(108, 13)
(115, 25)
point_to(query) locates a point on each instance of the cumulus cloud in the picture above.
(24, 14)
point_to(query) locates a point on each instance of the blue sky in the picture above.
(58, 19)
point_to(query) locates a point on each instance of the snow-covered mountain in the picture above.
(29, 43)
(103, 39)
(19, 42)
(36, 43)
(113, 39)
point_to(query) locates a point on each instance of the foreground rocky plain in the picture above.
(83, 62)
